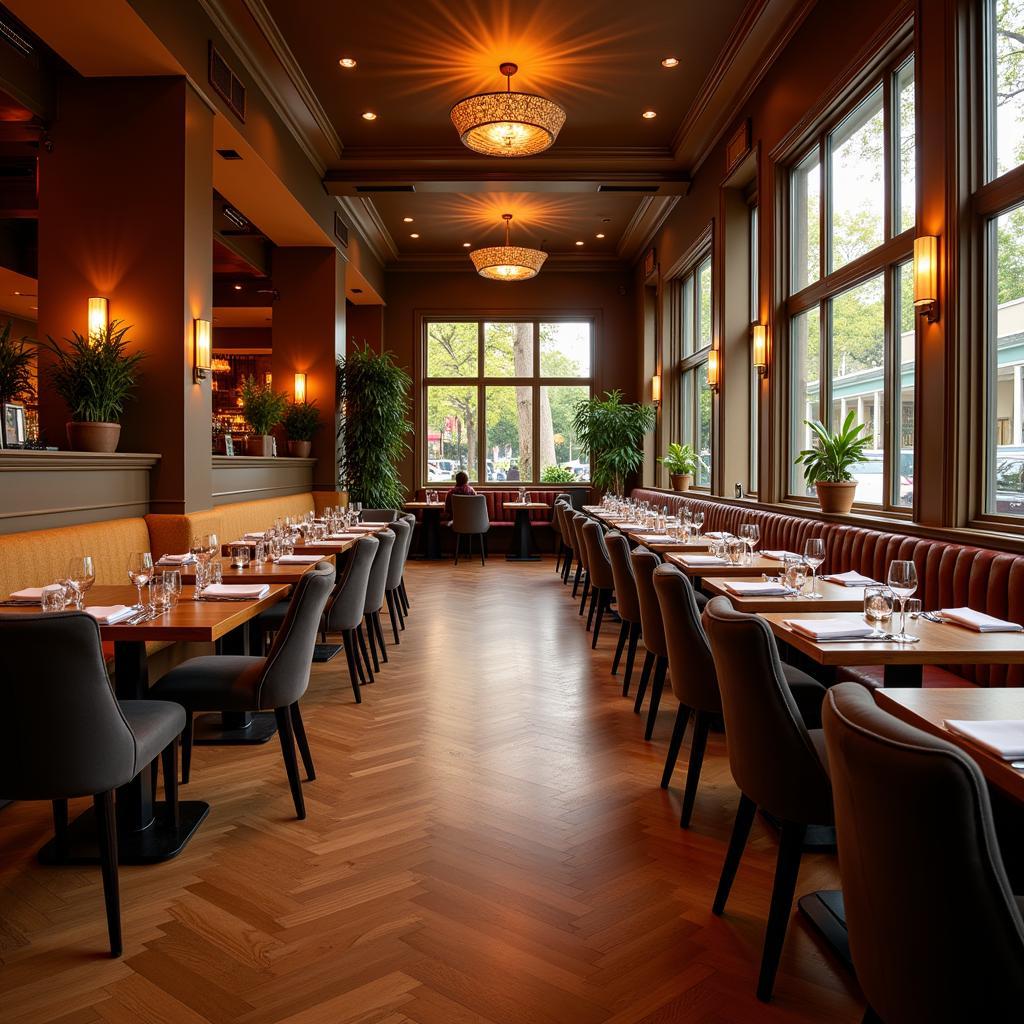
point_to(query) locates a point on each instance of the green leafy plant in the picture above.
(95, 376)
(374, 426)
(302, 421)
(262, 406)
(557, 475)
(16, 360)
(613, 432)
(830, 460)
(682, 460)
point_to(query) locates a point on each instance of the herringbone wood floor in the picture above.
(486, 842)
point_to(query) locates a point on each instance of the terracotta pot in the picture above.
(836, 497)
(93, 437)
(260, 444)
(681, 481)
(299, 449)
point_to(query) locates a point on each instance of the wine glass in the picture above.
(814, 555)
(751, 534)
(140, 572)
(212, 546)
(197, 548)
(697, 522)
(81, 576)
(903, 583)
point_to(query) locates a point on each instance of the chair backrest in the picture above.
(627, 601)
(285, 674)
(378, 515)
(376, 583)
(562, 513)
(934, 929)
(349, 598)
(469, 513)
(644, 563)
(396, 565)
(409, 518)
(771, 754)
(690, 663)
(598, 564)
(578, 519)
(560, 499)
(62, 733)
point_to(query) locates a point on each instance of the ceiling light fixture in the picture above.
(600, 234)
(414, 235)
(369, 116)
(670, 62)
(648, 115)
(347, 62)
(579, 243)
(467, 245)
(407, 220)
(508, 262)
(507, 123)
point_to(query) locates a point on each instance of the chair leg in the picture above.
(169, 756)
(567, 567)
(678, 732)
(379, 630)
(787, 867)
(398, 611)
(154, 778)
(352, 673)
(634, 639)
(284, 730)
(603, 602)
(403, 594)
(483, 550)
(698, 744)
(303, 744)
(60, 825)
(595, 596)
(740, 831)
(586, 591)
(623, 635)
(106, 831)
(389, 597)
(458, 541)
(576, 578)
(372, 637)
(659, 684)
(186, 747)
(645, 676)
(364, 653)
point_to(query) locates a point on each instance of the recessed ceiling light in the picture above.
(17, 293)
(600, 234)
(347, 62)
(466, 245)
(238, 287)
(414, 235)
(579, 243)
(648, 114)
(369, 116)
(670, 62)
(408, 220)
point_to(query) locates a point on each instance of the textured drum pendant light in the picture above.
(507, 123)
(507, 262)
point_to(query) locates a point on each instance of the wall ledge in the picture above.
(259, 461)
(27, 460)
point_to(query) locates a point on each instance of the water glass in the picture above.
(276, 548)
(214, 572)
(736, 550)
(240, 556)
(157, 596)
(794, 574)
(878, 608)
(260, 555)
(171, 579)
(54, 597)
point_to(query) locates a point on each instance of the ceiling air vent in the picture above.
(227, 84)
(229, 154)
(12, 36)
(628, 188)
(236, 217)
(385, 188)
(340, 230)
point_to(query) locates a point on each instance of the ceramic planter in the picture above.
(681, 481)
(93, 437)
(837, 497)
(260, 444)
(299, 449)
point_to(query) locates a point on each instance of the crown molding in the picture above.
(459, 155)
(650, 214)
(555, 263)
(370, 226)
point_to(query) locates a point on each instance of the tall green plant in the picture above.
(373, 428)
(15, 367)
(95, 376)
(835, 454)
(262, 406)
(613, 432)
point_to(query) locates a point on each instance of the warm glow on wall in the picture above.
(202, 358)
(926, 276)
(713, 377)
(759, 348)
(98, 316)
(299, 393)
(656, 389)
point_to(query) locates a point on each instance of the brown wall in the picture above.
(607, 296)
(364, 325)
(227, 338)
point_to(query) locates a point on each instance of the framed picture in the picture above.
(12, 426)
(229, 445)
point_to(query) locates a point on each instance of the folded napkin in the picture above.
(177, 559)
(829, 629)
(702, 560)
(979, 621)
(621, 524)
(765, 589)
(251, 591)
(1003, 737)
(367, 528)
(719, 535)
(653, 538)
(254, 535)
(108, 614)
(30, 595)
(342, 536)
(298, 559)
(851, 579)
(779, 556)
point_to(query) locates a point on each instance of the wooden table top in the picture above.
(262, 572)
(940, 643)
(197, 621)
(928, 709)
(423, 504)
(526, 504)
(757, 568)
(835, 598)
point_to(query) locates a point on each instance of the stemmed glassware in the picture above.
(140, 572)
(903, 583)
(172, 586)
(877, 608)
(81, 576)
(814, 555)
(751, 534)
(697, 522)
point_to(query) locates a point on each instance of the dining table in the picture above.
(523, 549)
(254, 572)
(430, 527)
(692, 564)
(834, 596)
(146, 832)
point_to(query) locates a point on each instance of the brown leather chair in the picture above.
(602, 585)
(935, 932)
(777, 762)
(562, 512)
(656, 661)
(561, 547)
(627, 603)
(578, 521)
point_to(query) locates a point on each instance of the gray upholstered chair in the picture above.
(410, 519)
(378, 515)
(64, 734)
(568, 535)
(602, 585)
(345, 610)
(644, 563)
(579, 520)
(627, 603)
(396, 569)
(248, 683)
(935, 932)
(776, 761)
(556, 525)
(469, 519)
(375, 584)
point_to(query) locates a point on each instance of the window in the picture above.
(486, 410)
(852, 197)
(695, 337)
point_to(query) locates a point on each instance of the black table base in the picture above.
(234, 728)
(430, 535)
(522, 539)
(825, 910)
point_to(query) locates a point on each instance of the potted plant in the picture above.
(95, 376)
(613, 432)
(16, 360)
(681, 461)
(557, 475)
(827, 465)
(373, 396)
(301, 422)
(263, 408)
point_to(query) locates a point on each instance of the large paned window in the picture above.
(850, 307)
(695, 333)
(499, 398)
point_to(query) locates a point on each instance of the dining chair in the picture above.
(345, 611)
(935, 932)
(64, 734)
(579, 520)
(562, 512)
(375, 584)
(378, 515)
(776, 761)
(393, 581)
(602, 586)
(410, 519)
(652, 628)
(627, 604)
(469, 518)
(243, 682)
(577, 544)
(556, 524)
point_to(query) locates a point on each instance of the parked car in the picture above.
(1009, 481)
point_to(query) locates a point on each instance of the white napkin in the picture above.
(765, 589)
(107, 615)
(30, 595)
(367, 528)
(719, 535)
(253, 591)
(702, 560)
(1003, 737)
(342, 536)
(653, 538)
(851, 579)
(253, 535)
(621, 524)
(979, 621)
(177, 559)
(829, 629)
(298, 559)
(779, 556)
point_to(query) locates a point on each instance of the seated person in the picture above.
(461, 487)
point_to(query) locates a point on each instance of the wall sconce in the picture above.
(202, 358)
(656, 389)
(268, 379)
(98, 316)
(926, 276)
(759, 348)
(713, 377)
(299, 393)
